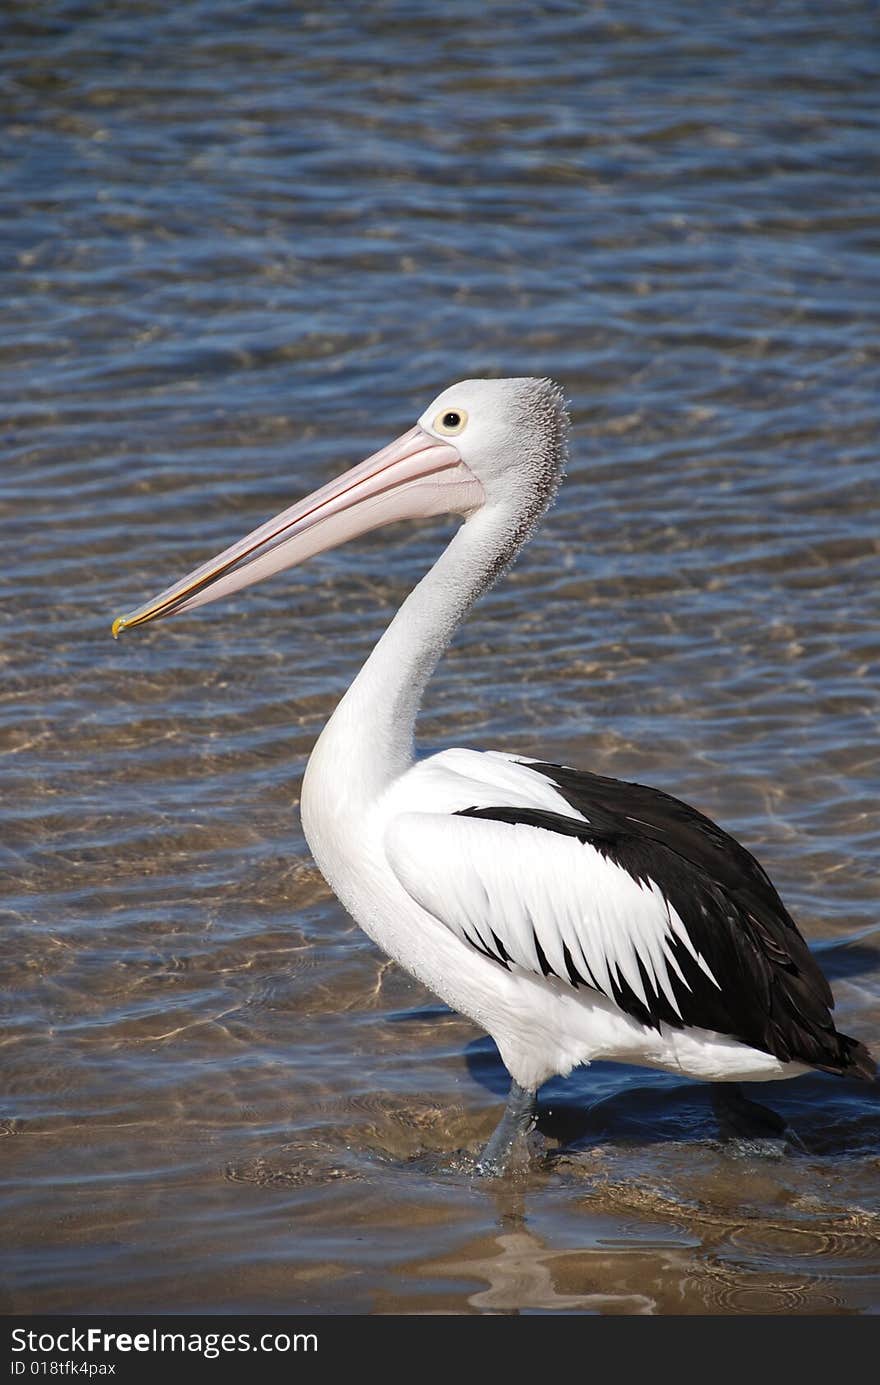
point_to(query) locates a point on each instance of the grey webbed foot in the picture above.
(509, 1137)
(749, 1128)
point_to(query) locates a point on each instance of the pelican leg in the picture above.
(518, 1119)
(750, 1127)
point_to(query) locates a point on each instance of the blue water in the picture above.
(241, 248)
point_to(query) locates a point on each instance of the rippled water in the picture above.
(243, 246)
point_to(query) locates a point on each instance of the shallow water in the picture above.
(240, 252)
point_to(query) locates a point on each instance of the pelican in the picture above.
(572, 916)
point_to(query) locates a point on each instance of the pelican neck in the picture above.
(370, 739)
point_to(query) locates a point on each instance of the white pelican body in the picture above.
(572, 917)
(369, 854)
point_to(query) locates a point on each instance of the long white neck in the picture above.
(369, 740)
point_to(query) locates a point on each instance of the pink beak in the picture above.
(414, 477)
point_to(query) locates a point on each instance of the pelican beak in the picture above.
(414, 477)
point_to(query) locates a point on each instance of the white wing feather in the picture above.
(515, 883)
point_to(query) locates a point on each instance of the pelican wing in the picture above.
(618, 911)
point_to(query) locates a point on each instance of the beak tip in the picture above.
(117, 627)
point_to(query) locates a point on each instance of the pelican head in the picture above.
(481, 444)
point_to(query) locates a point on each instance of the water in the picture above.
(242, 248)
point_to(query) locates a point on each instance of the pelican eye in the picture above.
(451, 421)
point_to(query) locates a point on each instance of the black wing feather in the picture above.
(771, 994)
